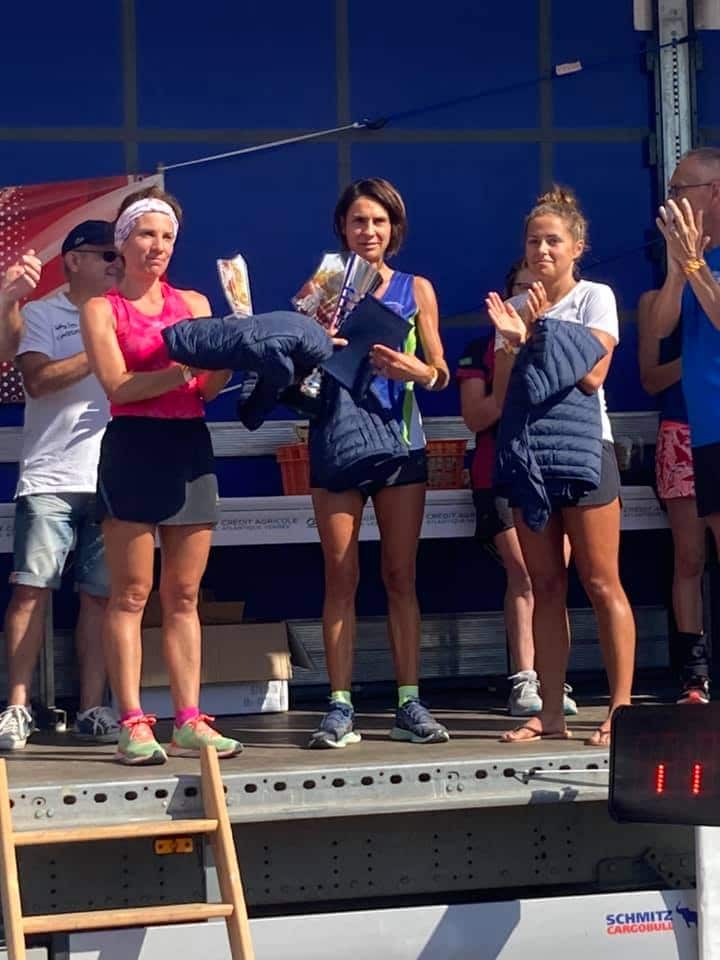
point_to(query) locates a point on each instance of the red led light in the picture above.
(660, 778)
(696, 779)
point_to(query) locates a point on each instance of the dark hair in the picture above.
(382, 192)
(561, 202)
(511, 276)
(156, 193)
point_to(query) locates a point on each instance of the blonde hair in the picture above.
(561, 202)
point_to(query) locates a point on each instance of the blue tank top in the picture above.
(701, 363)
(393, 394)
(672, 399)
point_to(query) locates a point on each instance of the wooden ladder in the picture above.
(216, 826)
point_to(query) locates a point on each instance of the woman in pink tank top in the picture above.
(156, 476)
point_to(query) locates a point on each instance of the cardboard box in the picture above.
(224, 699)
(245, 667)
(211, 611)
(238, 652)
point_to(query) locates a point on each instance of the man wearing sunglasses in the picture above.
(690, 223)
(65, 416)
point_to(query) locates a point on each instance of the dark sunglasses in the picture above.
(109, 256)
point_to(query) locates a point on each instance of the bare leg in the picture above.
(24, 634)
(338, 518)
(91, 656)
(713, 523)
(399, 512)
(544, 556)
(185, 551)
(688, 533)
(595, 537)
(129, 549)
(518, 602)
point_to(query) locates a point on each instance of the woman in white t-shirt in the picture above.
(555, 237)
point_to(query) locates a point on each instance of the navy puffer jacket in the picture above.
(276, 349)
(549, 441)
(355, 441)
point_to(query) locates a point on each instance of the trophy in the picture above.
(236, 285)
(330, 295)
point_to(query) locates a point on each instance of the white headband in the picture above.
(130, 216)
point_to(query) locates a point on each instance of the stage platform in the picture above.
(58, 781)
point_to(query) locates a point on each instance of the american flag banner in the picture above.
(39, 217)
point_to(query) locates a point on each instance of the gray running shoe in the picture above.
(16, 725)
(415, 724)
(97, 725)
(569, 706)
(336, 728)
(524, 699)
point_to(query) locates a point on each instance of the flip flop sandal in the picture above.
(599, 738)
(510, 736)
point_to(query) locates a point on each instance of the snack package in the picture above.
(319, 295)
(236, 285)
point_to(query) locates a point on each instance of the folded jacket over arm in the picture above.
(278, 348)
(549, 440)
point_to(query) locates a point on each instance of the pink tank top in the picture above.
(143, 348)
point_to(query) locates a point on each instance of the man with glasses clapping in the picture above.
(690, 224)
(65, 416)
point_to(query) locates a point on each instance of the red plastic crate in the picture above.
(446, 464)
(294, 468)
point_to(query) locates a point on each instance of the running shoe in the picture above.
(696, 690)
(336, 728)
(189, 739)
(16, 725)
(524, 699)
(136, 745)
(415, 724)
(570, 708)
(97, 725)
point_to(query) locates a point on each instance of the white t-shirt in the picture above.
(63, 430)
(591, 304)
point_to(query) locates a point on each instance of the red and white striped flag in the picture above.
(39, 217)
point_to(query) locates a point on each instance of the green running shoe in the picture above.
(137, 746)
(189, 739)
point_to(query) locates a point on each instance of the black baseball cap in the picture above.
(97, 233)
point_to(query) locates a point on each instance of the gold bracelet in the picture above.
(692, 266)
(509, 348)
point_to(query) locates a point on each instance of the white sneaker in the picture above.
(16, 725)
(97, 725)
(524, 699)
(569, 706)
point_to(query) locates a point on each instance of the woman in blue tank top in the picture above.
(370, 221)
(661, 373)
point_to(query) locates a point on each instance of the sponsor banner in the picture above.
(245, 521)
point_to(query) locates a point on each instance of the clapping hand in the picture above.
(506, 319)
(22, 277)
(535, 305)
(683, 232)
(515, 325)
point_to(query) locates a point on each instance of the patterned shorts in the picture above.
(673, 461)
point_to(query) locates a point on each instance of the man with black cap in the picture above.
(65, 415)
